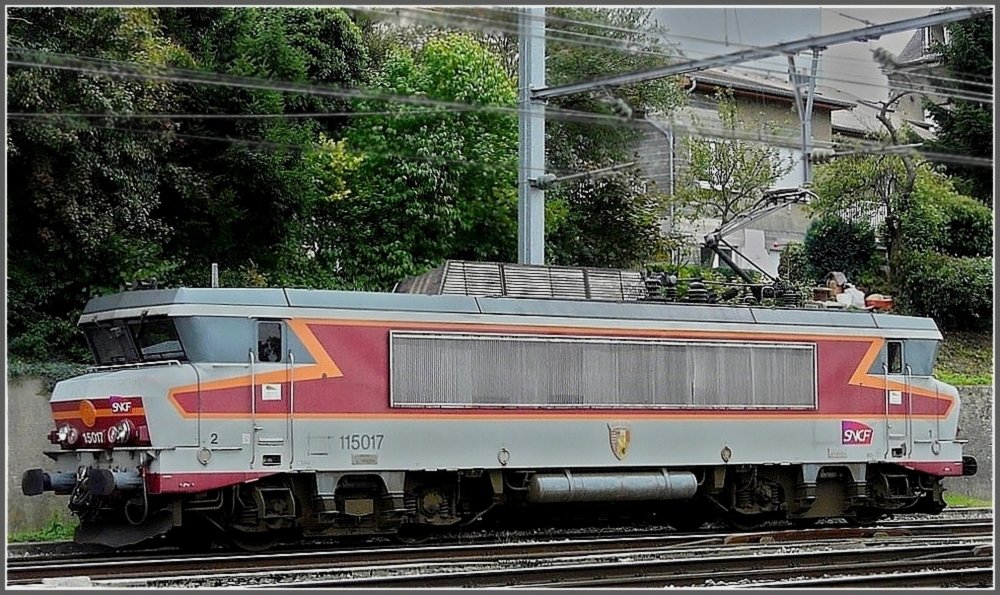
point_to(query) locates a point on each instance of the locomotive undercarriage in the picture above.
(411, 505)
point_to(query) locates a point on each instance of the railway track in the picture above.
(628, 561)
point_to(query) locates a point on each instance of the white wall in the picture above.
(846, 68)
(714, 30)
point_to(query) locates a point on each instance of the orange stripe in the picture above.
(716, 414)
(326, 366)
(638, 332)
(75, 414)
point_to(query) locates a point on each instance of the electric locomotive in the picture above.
(250, 414)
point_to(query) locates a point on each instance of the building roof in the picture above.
(767, 86)
(861, 122)
(914, 49)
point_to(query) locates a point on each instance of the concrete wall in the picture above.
(975, 421)
(29, 421)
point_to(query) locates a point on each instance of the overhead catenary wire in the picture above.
(928, 89)
(134, 70)
(504, 27)
(667, 34)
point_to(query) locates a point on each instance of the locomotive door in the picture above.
(898, 402)
(270, 388)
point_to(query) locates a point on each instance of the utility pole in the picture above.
(531, 140)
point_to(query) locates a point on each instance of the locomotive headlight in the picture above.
(121, 432)
(67, 434)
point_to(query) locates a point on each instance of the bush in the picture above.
(956, 292)
(833, 244)
(968, 227)
(793, 265)
(50, 338)
(943, 220)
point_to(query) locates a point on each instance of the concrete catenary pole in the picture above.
(531, 149)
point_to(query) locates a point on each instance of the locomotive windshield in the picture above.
(134, 341)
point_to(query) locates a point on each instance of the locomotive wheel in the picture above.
(253, 542)
(745, 522)
(865, 518)
(804, 523)
(413, 533)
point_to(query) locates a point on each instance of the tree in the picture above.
(264, 177)
(83, 193)
(965, 126)
(942, 240)
(98, 201)
(934, 217)
(576, 211)
(726, 176)
(430, 183)
(834, 244)
(614, 221)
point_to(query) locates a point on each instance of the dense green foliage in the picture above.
(866, 187)
(612, 221)
(939, 240)
(266, 190)
(968, 228)
(956, 292)
(103, 201)
(82, 193)
(793, 265)
(965, 126)
(126, 178)
(834, 244)
(429, 184)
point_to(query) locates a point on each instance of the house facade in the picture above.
(663, 155)
(850, 84)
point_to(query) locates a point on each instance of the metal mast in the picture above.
(531, 140)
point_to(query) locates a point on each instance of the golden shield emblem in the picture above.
(621, 438)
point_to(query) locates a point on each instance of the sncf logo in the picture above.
(855, 432)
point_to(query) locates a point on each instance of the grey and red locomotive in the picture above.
(253, 413)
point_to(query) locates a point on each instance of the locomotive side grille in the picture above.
(460, 370)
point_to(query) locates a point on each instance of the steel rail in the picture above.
(689, 571)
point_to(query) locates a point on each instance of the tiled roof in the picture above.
(775, 87)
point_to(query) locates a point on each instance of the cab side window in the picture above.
(894, 357)
(269, 341)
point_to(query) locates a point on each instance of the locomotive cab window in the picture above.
(894, 357)
(156, 339)
(269, 341)
(130, 341)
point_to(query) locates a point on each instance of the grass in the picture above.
(953, 499)
(58, 529)
(965, 358)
